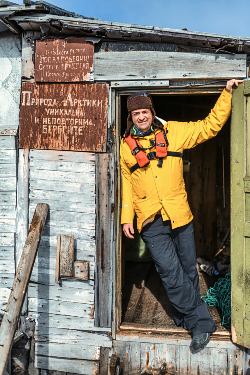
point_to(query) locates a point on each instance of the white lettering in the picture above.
(69, 98)
(28, 97)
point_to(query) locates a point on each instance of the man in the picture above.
(154, 190)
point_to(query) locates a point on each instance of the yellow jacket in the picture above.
(151, 189)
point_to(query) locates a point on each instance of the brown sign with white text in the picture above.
(63, 60)
(64, 116)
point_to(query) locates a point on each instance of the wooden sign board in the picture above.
(63, 60)
(64, 116)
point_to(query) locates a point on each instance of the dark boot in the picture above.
(199, 342)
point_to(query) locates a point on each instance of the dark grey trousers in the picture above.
(174, 255)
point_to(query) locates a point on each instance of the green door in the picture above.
(240, 214)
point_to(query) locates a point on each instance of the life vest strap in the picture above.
(152, 155)
(161, 144)
(136, 150)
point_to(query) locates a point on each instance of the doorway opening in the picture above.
(145, 305)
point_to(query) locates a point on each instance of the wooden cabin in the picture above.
(64, 80)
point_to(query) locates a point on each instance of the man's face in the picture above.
(142, 119)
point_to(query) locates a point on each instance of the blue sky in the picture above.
(230, 17)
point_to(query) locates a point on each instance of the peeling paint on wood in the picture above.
(60, 336)
(63, 60)
(7, 183)
(61, 294)
(39, 305)
(8, 198)
(10, 82)
(66, 227)
(74, 349)
(153, 65)
(61, 310)
(7, 239)
(161, 355)
(81, 243)
(7, 143)
(69, 202)
(74, 187)
(6, 281)
(64, 116)
(8, 186)
(76, 366)
(52, 175)
(8, 212)
(60, 157)
(49, 320)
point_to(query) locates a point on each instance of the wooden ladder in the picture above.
(20, 284)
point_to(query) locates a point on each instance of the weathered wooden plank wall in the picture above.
(10, 84)
(161, 65)
(105, 191)
(159, 355)
(76, 366)
(10, 81)
(8, 181)
(64, 312)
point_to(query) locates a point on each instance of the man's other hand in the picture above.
(229, 86)
(128, 230)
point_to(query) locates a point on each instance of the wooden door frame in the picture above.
(240, 228)
(215, 88)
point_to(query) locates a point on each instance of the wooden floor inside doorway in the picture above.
(145, 303)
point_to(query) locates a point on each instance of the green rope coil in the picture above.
(220, 295)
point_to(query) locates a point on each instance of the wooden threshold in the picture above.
(124, 327)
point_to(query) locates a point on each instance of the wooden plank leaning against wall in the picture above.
(17, 295)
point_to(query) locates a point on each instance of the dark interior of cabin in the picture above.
(207, 178)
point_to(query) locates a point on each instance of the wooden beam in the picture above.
(105, 216)
(134, 327)
(20, 284)
(160, 65)
(144, 83)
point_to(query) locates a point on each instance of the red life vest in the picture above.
(139, 153)
(142, 159)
